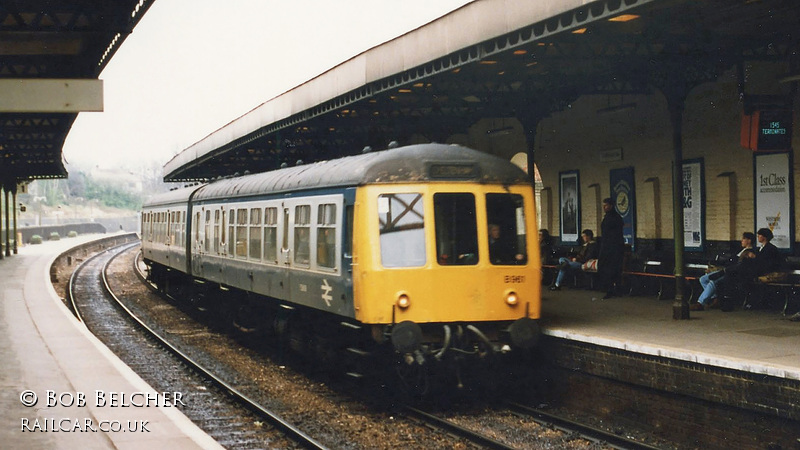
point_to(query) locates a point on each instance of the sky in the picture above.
(192, 66)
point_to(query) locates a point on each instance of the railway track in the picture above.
(554, 432)
(227, 414)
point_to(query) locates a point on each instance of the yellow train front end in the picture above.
(447, 267)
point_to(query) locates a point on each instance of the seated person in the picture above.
(767, 259)
(502, 250)
(588, 250)
(711, 281)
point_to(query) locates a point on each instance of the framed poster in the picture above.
(623, 193)
(694, 202)
(774, 199)
(570, 212)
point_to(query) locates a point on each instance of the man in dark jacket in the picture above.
(767, 259)
(612, 249)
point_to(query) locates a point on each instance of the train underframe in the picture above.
(420, 357)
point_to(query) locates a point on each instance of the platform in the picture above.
(759, 342)
(43, 348)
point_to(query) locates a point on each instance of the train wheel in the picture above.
(414, 379)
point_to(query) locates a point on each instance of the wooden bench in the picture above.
(787, 289)
(653, 270)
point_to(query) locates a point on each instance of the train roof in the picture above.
(175, 196)
(414, 163)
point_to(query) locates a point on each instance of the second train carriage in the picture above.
(417, 243)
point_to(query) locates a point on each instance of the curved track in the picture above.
(230, 422)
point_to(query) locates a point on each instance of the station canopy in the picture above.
(495, 58)
(53, 45)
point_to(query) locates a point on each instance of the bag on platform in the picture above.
(589, 266)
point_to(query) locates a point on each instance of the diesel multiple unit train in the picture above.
(426, 252)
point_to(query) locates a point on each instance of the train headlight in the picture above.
(512, 298)
(403, 301)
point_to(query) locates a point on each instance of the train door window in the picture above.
(241, 233)
(348, 231)
(231, 232)
(271, 234)
(326, 235)
(456, 229)
(402, 230)
(302, 234)
(196, 228)
(506, 228)
(255, 234)
(208, 231)
(215, 246)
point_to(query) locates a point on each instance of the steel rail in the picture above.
(586, 431)
(290, 430)
(456, 429)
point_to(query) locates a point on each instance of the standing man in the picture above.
(612, 249)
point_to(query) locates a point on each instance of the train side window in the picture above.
(208, 231)
(271, 234)
(231, 232)
(456, 229)
(216, 249)
(255, 234)
(241, 233)
(506, 229)
(348, 233)
(196, 227)
(402, 230)
(302, 225)
(326, 235)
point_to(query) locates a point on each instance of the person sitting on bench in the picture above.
(588, 251)
(712, 281)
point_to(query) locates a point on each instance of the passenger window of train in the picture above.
(348, 234)
(326, 236)
(456, 229)
(208, 232)
(215, 246)
(506, 229)
(271, 235)
(302, 225)
(241, 233)
(255, 234)
(231, 232)
(402, 230)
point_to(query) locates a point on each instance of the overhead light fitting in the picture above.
(579, 31)
(500, 131)
(790, 78)
(623, 18)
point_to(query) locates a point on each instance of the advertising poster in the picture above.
(693, 205)
(624, 195)
(570, 213)
(773, 197)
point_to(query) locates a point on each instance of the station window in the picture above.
(402, 230)
(456, 229)
(302, 225)
(326, 235)
(255, 234)
(506, 228)
(271, 234)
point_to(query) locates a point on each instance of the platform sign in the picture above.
(774, 205)
(623, 193)
(768, 130)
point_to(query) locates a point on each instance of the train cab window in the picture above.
(326, 236)
(506, 229)
(255, 234)
(271, 234)
(456, 229)
(241, 233)
(302, 233)
(402, 230)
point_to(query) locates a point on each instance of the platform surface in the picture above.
(44, 349)
(762, 342)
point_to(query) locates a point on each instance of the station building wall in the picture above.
(582, 136)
